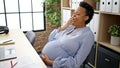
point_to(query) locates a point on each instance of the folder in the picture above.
(73, 4)
(65, 15)
(77, 3)
(96, 25)
(109, 6)
(103, 5)
(116, 6)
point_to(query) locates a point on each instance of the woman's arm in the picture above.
(53, 36)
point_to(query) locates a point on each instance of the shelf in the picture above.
(105, 20)
(96, 11)
(65, 3)
(68, 8)
(110, 13)
(113, 47)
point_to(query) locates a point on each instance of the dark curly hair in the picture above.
(89, 10)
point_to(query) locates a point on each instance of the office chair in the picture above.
(30, 36)
(90, 56)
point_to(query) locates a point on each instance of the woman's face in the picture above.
(79, 17)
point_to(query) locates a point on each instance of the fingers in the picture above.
(46, 60)
(44, 56)
(71, 20)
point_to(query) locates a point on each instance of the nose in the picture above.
(73, 15)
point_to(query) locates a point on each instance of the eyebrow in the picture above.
(75, 12)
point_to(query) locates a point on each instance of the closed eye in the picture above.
(77, 13)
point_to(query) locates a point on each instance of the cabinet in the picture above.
(102, 37)
(107, 58)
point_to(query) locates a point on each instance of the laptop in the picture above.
(7, 52)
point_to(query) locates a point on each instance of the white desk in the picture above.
(23, 46)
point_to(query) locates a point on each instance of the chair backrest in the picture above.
(30, 36)
(88, 57)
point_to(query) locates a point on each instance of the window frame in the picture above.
(31, 12)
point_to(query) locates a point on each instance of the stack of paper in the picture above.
(7, 52)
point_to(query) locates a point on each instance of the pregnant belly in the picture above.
(53, 50)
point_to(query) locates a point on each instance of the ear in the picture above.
(86, 18)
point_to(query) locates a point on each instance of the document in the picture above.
(7, 52)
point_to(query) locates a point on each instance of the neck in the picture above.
(80, 26)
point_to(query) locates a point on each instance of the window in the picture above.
(24, 14)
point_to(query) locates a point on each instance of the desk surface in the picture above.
(23, 47)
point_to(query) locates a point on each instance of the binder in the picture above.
(116, 6)
(66, 15)
(103, 5)
(96, 25)
(77, 3)
(109, 6)
(73, 4)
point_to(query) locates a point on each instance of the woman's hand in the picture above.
(69, 22)
(46, 60)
